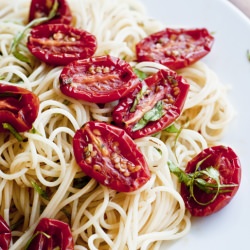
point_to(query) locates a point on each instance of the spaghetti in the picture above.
(100, 218)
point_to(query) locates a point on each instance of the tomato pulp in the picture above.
(107, 154)
(99, 79)
(51, 234)
(226, 162)
(60, 44)
(175, 48)
(18, 107)
(41, 8)
(155, 104)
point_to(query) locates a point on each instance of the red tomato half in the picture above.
(42, 8)
(52, 234)
(99, 79)
(5, 234)
(60, 44)
(107, 154)
(227, 163)
(175, 48)
(18, 107)
(147, 112)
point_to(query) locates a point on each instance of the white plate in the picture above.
(229, 228)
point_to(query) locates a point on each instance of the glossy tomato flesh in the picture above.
(52, 234)
(99, 79)
(5, 234)
(60, 44)
(175, 48)
(18, 107)
(225, 160)
(107, 154)
(165, 86)
(42, 8)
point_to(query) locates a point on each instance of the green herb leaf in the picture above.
(39, 190)
(172, 129)
(153, 115)
(34, 236)
(12, 131)
(139, 96)
(19, 37)
(140, 74)
(199, 179)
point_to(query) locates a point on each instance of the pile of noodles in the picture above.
(99, 218)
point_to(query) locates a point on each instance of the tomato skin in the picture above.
(175, 48)
(160, 89)
(41, 8)
(225, 160)
(5, 234)
(98, 79)
(60, 44)
(18, 107)
(110, 146)
(59, 235)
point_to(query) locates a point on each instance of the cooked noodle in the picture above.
(100, 218)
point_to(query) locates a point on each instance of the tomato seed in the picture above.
(97, 167)
(97, 132)
(58, 36)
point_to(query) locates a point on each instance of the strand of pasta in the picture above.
(100, 218)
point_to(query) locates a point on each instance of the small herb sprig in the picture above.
(207, 180)
(15, 46)
(152, 115)
(39, 190)
(13, 131)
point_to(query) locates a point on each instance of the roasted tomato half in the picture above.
(99, 79)
(5, 234)
(42, 8)
(60, 44)
(18, 107)
(155, 104)
(175, 48)
(51, 234)
(208, 195)
(107, 154)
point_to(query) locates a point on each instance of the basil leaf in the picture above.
(172, 129)
(39, 190)
(12, 131)
(139, 96)
(140, 74)
(152, 115)
(19, 37)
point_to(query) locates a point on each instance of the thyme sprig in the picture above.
(207, 180)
